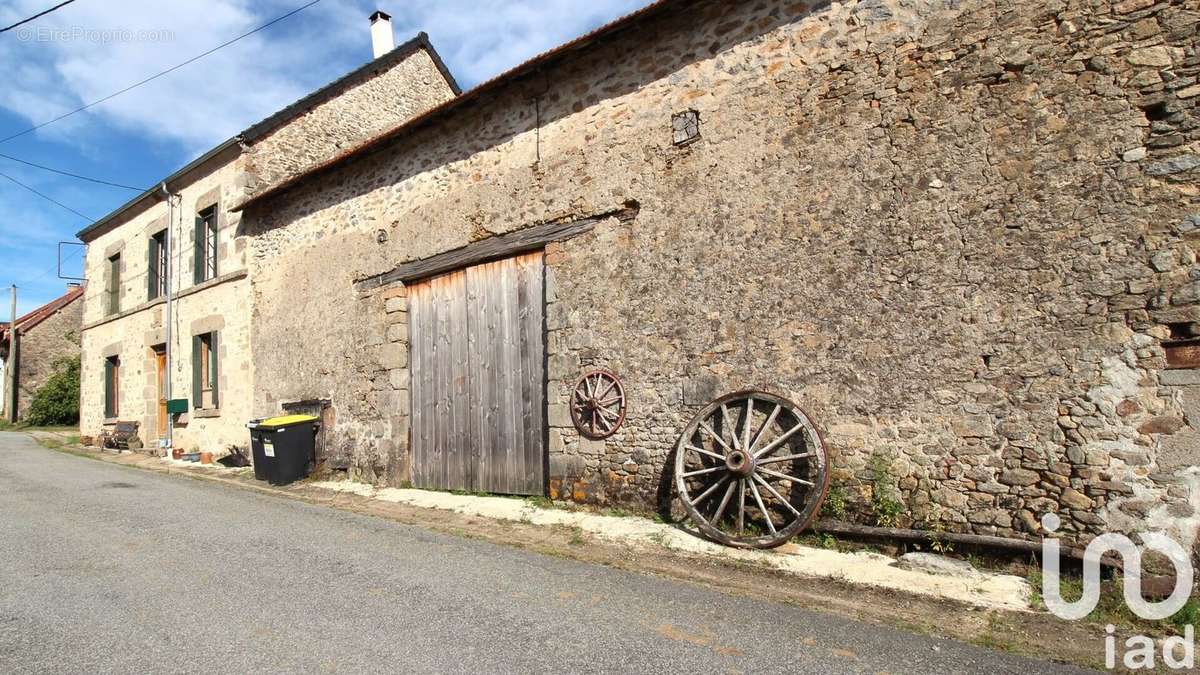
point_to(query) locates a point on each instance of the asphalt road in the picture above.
(109, 569)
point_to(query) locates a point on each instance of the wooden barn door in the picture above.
(477, 373)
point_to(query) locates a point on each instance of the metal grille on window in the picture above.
(207, 372)
(158, 265)
(210, 247)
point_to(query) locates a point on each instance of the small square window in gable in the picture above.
(685, 127)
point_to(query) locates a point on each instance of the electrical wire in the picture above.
(158, 75)
(46, 197)
(72, 175)
(36, 16)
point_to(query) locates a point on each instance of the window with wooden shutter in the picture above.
(156, 266)
(205, 245)
(114, 284)
(112, 389)
(205, 391)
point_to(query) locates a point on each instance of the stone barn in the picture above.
(960, 235)
(45, 338)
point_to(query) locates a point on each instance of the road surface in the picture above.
(110, 569)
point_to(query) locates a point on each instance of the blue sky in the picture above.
(92, 48)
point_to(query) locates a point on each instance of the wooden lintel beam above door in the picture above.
(492, 248)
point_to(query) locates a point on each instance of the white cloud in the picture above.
(482, 39)
(66, 62)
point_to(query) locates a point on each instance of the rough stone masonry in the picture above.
(960, 233)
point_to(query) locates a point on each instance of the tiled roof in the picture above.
(28, 321)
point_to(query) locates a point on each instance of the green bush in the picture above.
(57, 402)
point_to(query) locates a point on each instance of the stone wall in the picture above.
(956, 233)
(358, 109)
(43, 347)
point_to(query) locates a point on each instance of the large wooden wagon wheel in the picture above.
(751, 470)
(598, 404)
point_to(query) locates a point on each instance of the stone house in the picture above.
(194, 247)
(960, 234)
(44, 337)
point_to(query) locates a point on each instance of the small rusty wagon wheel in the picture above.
(598, 404)
(751, 470)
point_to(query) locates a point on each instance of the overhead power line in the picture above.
(46, 197)
(158, 75)
(72, 175)
(35, 16)
(55, 269)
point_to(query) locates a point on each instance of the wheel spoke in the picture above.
(704, 495)
(611, 383)
(701, 472)
(718, 439)
(705, 452)
(741, 520)
(716, 519)
(784, 476)
(779, 441)
(785, 458)
(747, 423)
(725, 424)
(762, 509)
(766, 425)
(775, 493)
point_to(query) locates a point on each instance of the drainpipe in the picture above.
(170, 291)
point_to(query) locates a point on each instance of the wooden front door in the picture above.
(478, 371)
(160, 371)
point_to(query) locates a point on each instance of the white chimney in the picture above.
(382, 38)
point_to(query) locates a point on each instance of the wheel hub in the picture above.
(740, 464)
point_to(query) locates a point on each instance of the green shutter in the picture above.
(108, 388)
(114, 284)
(197, 397)
(198, 251)
(152, 267)
(213, 368)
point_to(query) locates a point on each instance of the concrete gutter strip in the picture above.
(977, 588)
(982, 589)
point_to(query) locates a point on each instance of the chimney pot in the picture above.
(383, 40)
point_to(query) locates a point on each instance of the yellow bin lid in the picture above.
(286, 420)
